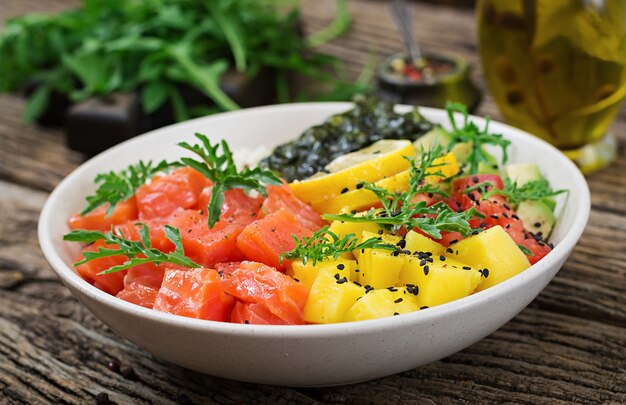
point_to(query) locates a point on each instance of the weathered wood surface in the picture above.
(568, 346)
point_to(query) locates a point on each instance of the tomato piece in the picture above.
(194, 293)
(204, 245)
(109, 283)
(257, 283)
(266, 238)
(238, 206)
(138, 294)
(165, 193)
(281, 197)
(97, 220)
(254, 313)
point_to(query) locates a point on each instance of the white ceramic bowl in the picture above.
(309, 355)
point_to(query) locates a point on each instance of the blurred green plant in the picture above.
(154, 46)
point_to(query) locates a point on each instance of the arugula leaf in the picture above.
(477, 138)
(138, 252)
(533, 190)
(325, 243)
(222, 171)
(116, 187)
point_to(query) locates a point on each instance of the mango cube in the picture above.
(331, 295)
(495, 251)
(439, 281)
(416, 242)
(383, 303)
(306, 273)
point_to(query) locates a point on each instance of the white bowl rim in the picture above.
(69, 276)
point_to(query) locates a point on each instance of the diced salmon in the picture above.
(257, 314)
(195, 293)
(257, 283)
(110, 283)
(266, 238)
(138, 294)
(238, 206)
(97, 220)
(281, 197)
(165, 193)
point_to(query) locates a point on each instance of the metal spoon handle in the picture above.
(402, 14)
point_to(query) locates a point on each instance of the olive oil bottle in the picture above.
(556, 68)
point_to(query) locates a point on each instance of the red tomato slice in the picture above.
(97, 220)
(194, 293)
(257, 314)
(237, 207)
(138, 294)
(110, 283)
(204, 245)
(257, 283)
(281, 197)
(266, 238)
(165, 193)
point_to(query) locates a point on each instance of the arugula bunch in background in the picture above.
(153, 46)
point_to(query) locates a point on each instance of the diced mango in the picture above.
(440, 281)
(383, 303)
(331, 295)
(495, 251)
(379, 268)
(306, 273)
(343, 228)
(416, 242)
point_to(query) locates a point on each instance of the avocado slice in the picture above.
(522, 173)
(442, 137)
(536, 217)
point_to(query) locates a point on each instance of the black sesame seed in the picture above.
(449, 250)
(296, 280)
(452, 242)
(336, 276)
(426, 270)
(341, 266)
(356, 270)
(494, 216)
(342, 280)
(505, 215)
(508, 226)
(506, 206)
(359, 186)
(424, 307)
(399, 300)
(475, 180)
(466, 268)
(344, 190)
(537, 224)
(357, 283)
(396, 313)
(380, 231)
(514, 216)
(423, 262)
(541, 243)
(401, 243)
(485, 273)
(246, 322)
(551, 245)
(392, 289)
(442, 258)
(428, 253)
(483, 225)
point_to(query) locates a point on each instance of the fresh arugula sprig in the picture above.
(431, 220)
(325, 243)
(116, 187)
(534, 190)
(525, 250)
(399, 210)
(219, 167)
(476, 137)
(138, 252)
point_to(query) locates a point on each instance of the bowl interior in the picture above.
(264, 127)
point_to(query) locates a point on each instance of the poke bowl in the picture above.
(314, 354)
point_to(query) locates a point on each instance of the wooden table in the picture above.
(568, 346)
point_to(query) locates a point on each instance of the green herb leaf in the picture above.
(325, 243)
(137, 252)
(477, 138)
(116, 187)
(220, 168)
(532, 190)
(525, 250)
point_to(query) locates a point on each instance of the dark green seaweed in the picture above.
(369, 121)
